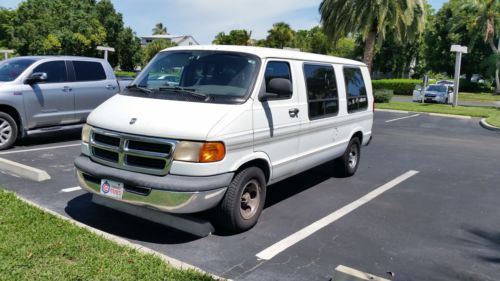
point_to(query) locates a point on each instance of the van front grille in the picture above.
(132, 152)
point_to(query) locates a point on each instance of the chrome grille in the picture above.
(131, 152)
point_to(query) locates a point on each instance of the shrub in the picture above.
(398, 86)
(468, 86)
(382, 95)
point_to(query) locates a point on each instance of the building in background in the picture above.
(180, 40)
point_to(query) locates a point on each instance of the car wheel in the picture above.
(242, 204)
(347, 164)
(8, 131)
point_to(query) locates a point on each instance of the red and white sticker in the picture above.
(112, 189)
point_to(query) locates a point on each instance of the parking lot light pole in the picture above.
(106, 50)
(6, 53)
(458, 61)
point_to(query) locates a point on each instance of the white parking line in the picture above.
(289, 241)
(38, 149)
(392, 120)
(71, 189)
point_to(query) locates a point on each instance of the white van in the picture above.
(240, 119)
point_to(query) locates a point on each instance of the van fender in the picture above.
(360, 130)
(256, 155)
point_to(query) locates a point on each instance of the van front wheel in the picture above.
(242, 204)
(347, 164)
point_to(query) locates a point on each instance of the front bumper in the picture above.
(170, 193)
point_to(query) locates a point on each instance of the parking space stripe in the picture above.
(400, 118)
(289, 241)
(71, 189)
(38, 149)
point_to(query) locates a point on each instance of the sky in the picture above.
(203, 19)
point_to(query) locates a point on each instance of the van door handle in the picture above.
(66, 89)
(294, 112)
(110, 87)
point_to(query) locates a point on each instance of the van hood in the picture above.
(158, 118)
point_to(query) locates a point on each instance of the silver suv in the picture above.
(49, 93)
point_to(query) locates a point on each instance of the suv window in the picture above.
(322, 94)
(88, 71)
(355, 89)
(56, 71)
(277, 69)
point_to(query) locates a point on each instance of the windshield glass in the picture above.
(204, 76)
(436, 88)
(10, 69)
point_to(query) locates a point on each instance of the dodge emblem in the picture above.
(132, 121)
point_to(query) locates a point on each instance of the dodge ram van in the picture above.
(238, 119)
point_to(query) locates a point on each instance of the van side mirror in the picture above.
(276, 88)
(37, 77)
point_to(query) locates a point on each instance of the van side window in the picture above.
(278, 69)
(88, 71)
(322, 94)
(355, 89)
(56, 71)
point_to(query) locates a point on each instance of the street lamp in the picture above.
(6, 53)
(106, 50)
(459, 50)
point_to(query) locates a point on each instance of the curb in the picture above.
(487, 126)
(23, 171)
(123, 242)
(428, 113)
(391, 110)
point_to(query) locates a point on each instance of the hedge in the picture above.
(471, 87)
(382, 95)
(398, 86)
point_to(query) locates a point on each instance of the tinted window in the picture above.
(11, 68)
(355, 89)
(322, 92)
(277, 69)
(56, 71)
(88, 71)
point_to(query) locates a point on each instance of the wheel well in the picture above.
(14, 114)
(259, 163)
(358, 135)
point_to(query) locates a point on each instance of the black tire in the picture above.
(232, 213)
(8, 131)
(347, 164)
(446, 101)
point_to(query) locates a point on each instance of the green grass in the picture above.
(477, 97)
(491, 114)
(125, 73)
(35, 245)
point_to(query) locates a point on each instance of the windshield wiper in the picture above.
(192, 92)
(135, 87)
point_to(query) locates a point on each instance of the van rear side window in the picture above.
(88, 71)
(355, 89)
(322, 94)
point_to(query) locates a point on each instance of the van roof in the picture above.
(268, 53)
(59, 57)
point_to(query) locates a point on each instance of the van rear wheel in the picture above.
(347, 164)
(242, 204)
(8, 131)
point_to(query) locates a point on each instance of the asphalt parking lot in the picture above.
(438, 223)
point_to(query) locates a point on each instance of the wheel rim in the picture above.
(250, 199)
(5, 131)
(353, 156)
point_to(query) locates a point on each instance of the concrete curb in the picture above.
(123, 242)
(391, 110)
(487, 126)
(344, 273)
(23, 171)
(427, 113)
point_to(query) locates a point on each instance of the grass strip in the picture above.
(476, 97)
(491, 114)
(35, 245)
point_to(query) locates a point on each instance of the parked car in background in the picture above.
(446, 82)
(47, 93)
(240, 118)
(434, 93)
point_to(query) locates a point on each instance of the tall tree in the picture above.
(487, 24)
(159, 29)
(372, 18)
(280, 35)
(6, 27)
(112, 22)
(235, 37)
(154, 47)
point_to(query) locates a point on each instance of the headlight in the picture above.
(86, 133)
(200, 152)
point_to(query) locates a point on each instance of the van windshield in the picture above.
(10, 69)
(198, 76)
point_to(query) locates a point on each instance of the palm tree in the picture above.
(372, 19)
(280, 35)
(487, 24)
(159, 29)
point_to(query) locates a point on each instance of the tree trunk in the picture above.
(496, 50)
(370, 49)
